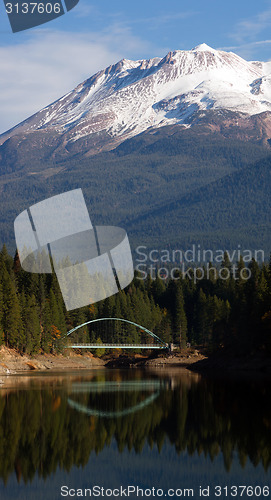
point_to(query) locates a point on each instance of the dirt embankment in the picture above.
(177, 359)
(13, 362)
(197, 360)
(183, 359)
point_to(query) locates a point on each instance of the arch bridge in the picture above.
(160, 343)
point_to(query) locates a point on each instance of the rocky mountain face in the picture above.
(174, 150)
(205, 88)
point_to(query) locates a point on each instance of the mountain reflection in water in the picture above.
(55, 422)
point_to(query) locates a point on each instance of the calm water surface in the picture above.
(110, 428)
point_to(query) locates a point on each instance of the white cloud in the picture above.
(85, 10)
(247, 34)
(42, 69)
(248, 29)
(156, 22)
(247, 50)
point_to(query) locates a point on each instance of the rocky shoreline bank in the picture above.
(12, 362)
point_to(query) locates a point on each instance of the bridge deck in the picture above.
(115, 346)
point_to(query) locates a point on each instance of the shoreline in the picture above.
(221, 363)
(12, 362)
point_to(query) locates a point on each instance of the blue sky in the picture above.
(40, 65)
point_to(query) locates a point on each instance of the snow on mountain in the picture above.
(129, 97)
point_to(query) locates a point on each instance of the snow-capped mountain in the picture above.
(182, 88)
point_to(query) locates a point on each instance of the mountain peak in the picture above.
(129, 97)
(203, 47)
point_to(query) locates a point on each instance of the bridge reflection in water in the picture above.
(103, 387)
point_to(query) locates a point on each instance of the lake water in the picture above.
(168, 433)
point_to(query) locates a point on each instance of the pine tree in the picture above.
(32, 326)
(179, 320)
(12, 323)
(1, 315)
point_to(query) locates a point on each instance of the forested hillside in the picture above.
(211, 188)
(220, 311)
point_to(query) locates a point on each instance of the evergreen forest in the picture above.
(218, 311)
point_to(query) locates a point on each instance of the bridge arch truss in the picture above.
(160, 345)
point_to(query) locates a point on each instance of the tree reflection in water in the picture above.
(52, 422)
